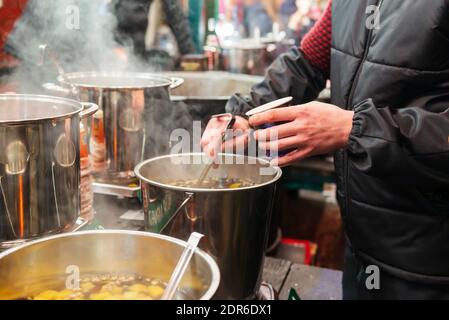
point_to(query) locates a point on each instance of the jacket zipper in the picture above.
(365, 55)
(348, 107)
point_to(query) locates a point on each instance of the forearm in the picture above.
(290, 75)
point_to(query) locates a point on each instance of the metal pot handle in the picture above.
(188, 198)
(54, 193)
(89, 109)
(6, 206)
(176, 82)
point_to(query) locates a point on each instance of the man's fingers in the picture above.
(276, 132)
(280, 145)
(241, 123)
(236, 145)
(209, 150)
(291, 157)
(273, 116)
(211, 141)
(213, 132)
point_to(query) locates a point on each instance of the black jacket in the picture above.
(132, 21)
(393, 178)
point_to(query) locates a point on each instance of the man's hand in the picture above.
(311, 129)
(210, 142)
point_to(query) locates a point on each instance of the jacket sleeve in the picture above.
(410, 144)
(289, 75)
(179, 24)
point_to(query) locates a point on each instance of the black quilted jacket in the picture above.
(393, 179)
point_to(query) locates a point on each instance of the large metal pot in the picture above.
(236, 221)
(137, 114)
(205, 94)
(39, 165)
(42, 265)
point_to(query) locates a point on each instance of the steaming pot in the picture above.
(39, 165)
(235, 221)
(137, 114)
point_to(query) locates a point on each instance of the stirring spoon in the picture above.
(182, 265)
(224, 137)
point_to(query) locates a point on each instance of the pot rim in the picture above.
(204, 75)
(139, 167)
(215, 271)
(244, 44)
(67, 79)
(41, 98)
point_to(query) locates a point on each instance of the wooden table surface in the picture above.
(311, 283)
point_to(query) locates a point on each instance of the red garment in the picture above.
(10, 12)
(316, 45)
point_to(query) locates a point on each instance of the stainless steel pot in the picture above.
(205, 94)
(39, 165)
(247, 56)
(136, 112)
(236, 221)
(211, 86)
(42, 265)
(252, 55)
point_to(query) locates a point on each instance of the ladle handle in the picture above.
(55, 194)
(187, 199)
(182, 265)
(46, 51)
(6, 207)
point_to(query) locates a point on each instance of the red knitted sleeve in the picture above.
(316, 45)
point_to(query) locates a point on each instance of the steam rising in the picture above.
(82, 33)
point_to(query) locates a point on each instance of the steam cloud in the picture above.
(82, 33)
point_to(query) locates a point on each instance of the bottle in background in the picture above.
(212, 46)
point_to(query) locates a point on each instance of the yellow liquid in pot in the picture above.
(107, 287)
(213, 183)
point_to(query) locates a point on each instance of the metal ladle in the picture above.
(283, 102)
(46, 51)
(181, 267)
(224, 137)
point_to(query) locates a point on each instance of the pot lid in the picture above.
(24, 108)
(115, 80)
